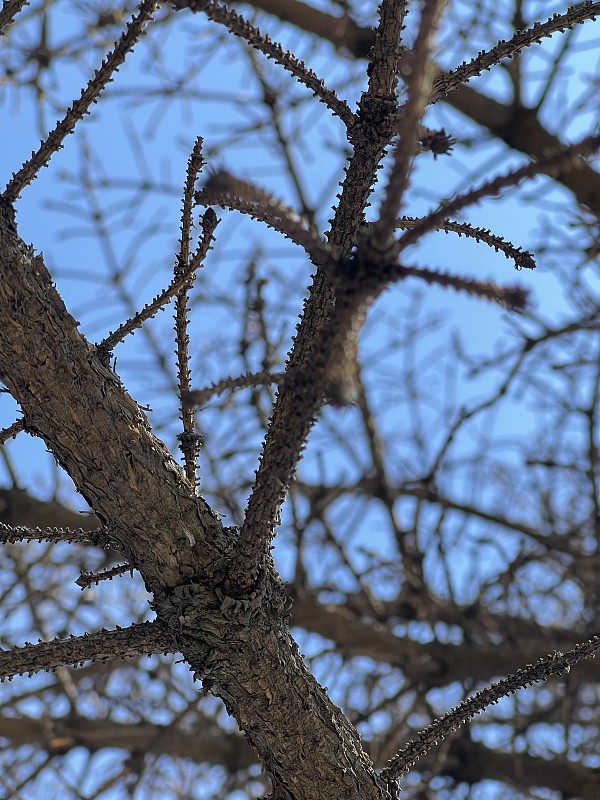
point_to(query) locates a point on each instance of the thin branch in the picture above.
(145, 638)
(302, 392)
(568, 158)
(419, 85)
(513, 298)
(12, 430)
(575, 15)
(226, 190)
(9, 10)
(523, 258)
(79, 108)
(201, 396)
(108, 344)
(556, 663)
(237, 25)
(100, 537)
(87, 579)
(189, 439)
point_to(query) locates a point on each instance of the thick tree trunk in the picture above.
(240, 646)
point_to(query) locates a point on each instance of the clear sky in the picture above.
(134, 137)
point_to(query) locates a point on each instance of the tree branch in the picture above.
(146, 638)
(79, 108)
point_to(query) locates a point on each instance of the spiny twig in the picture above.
(201, 396)
(100, 537)
(567, 158)
(522, 258)
(514, 298)
(556, 663)
(87, 579)
(107, 345)
(237, 25)
(189, 439)
(145, 638)
(79, 108)
(419, 84)
(225, 190)
(9, 10)
(486, 59)
(12, 430)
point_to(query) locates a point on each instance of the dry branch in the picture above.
(79, 108)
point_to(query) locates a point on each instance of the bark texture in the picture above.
(101, 437)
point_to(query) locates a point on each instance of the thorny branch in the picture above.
(523, 258)
(189, 439)
(237, 25)
(322, 364)
(575, 15)
(79, 108)
(554, 664)
(9, 10)
(566, 159)
(419, 80)
(302, 392)
(101, 537)
(12, 430)
(144, 638)
(201, 396)
(107, 345)
(225, 190)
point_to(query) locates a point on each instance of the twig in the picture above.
(486, 59)
(100, 537)
(568, 158)
(189, 439)
(79, 108)
(201, 396)
(107, 345)
(145, 638)
(87, 579)
(556, 663)
(12, 430)
(523, 258)
(513, 298)
(237, 25)
(9, 10)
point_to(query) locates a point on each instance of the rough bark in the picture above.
(101, 437)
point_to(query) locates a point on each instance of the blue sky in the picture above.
(137, 138)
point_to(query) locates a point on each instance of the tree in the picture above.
(435, 536)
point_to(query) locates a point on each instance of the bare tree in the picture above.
(437, 552)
